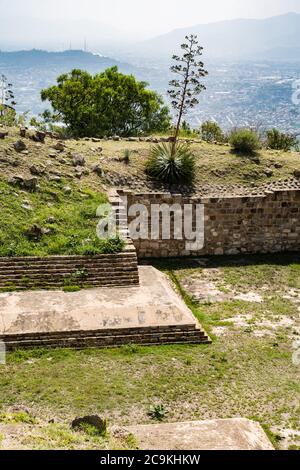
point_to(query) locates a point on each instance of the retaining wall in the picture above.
(58, 271)
(232, 225)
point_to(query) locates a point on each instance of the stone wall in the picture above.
(59, 271)
(266, 223)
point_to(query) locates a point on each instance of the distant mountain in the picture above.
(28, 33)
(276, 38)
(65, 60)
(31, 71)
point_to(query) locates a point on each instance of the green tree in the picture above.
(109, 103)
(211, 132)
(281, 141)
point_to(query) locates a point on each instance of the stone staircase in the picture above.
(59, 271)
(107, 338)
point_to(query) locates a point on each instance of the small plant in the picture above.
(158, 412)
(245, 141)
(71, 289)
(277, 140)
(130, 349)
(170, 167)
(16, 418)
(126, 156)
(211, 132)
(81, 273)
(187, 131)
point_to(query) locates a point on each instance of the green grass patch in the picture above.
(55, 223)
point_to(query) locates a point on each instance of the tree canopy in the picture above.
(108, 103)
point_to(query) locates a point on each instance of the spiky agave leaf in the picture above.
(171, 168)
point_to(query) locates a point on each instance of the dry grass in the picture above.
(215, 163)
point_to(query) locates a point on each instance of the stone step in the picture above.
(56, 284)
(64, 258)
(4, 262)
(98, 271)
(141, 331)
(109, 340)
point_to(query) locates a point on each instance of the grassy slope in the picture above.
(242, 374)
(67, 217)
(215, 163)
(68, 221)
(75, 212)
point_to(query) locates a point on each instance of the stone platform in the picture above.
(151, 313)
(218, 434)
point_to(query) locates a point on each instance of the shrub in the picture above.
(244, 141)
(187, 131)
(277, 140)
(211, 132)
(126, 156)
(171, 167)
(157, 412)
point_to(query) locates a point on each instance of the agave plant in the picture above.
(169, 165)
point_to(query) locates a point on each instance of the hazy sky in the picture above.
(148, 17)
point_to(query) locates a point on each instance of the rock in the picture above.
(269, 173)
(60, 146)
(52, 155)
(3, 135)
(67, 190)
(51, 220)
(37, 170)
(39, 137)
(98, 170)
(23, 131)
(278, 166)
(78, 159)
(95, 140)
(34, 233)
(55, 178)
(297, 173)
(30, 184)
(78, 172)
(94, 421)
(16, 180)
(98, 150)
(53, 135)
(116, 138)
(19, 146)
(26, 206)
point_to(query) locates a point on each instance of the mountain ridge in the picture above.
(233, 39)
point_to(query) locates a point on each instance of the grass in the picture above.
(240, 374)
(66, 224)
(215, 164)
